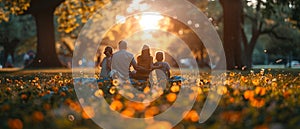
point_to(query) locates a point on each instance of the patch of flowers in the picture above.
(259, 100)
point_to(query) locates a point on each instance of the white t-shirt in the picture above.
(121, 62)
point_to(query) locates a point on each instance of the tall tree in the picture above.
(232, 12)
(46, 52)
(264, 17)
(256, 17)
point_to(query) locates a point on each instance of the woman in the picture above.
(144, 60)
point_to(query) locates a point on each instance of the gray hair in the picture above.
(122, 45)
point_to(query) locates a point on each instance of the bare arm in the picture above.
(134, 65)
(156, 66)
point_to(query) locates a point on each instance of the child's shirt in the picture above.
(105, 69)
(165, 68)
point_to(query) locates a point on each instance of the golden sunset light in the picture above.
(150, 21)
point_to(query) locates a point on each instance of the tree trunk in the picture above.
(250, 48)
(232, 12)
(248, 57)
(46, 55)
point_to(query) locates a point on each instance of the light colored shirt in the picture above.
(121, 62)
(165, 69)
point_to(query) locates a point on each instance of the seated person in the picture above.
(163, 71)
(122, 60)
(145, 60)
(106, 63)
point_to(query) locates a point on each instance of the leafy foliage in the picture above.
(12, 7)
(72, 13)
(283, 48)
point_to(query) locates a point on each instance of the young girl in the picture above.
(163, 66)
(106, 63)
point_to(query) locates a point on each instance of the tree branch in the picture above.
(250, 17)
(267, 31)
(258, 6)
(273, 33)
(244, 38)
(260, 26)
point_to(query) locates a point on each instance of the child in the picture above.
(164, 67)
(106, 63)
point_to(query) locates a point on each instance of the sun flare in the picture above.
(150, 21)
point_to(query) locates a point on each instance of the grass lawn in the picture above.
(250, 99)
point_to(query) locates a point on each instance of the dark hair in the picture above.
(159, 56)
(145, 51)
(109, 49)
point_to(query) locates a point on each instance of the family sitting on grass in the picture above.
(117, 65)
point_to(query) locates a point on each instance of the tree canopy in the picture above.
(240, 23)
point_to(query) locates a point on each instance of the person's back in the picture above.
(104, 73)
(121, 61)
(145, 60)
(106, 63)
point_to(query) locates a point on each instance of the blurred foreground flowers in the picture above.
(252, 100)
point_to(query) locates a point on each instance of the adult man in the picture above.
(121, 62)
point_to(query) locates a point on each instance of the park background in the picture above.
(261, 34)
